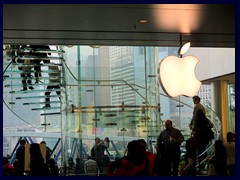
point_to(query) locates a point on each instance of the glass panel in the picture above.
(109, 91)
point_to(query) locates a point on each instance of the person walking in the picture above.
(201, 135)
(200, 126)
(36, 52)
(197, 107)
(172, 138)
(25, 68)
(54, 83)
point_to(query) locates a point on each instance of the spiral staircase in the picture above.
(29, 105)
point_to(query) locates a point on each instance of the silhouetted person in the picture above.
(162, 166)
(35, 53)
(201, 135)
(230, 149)
(149, 157)
(71, 167)
(20, 155)
(218, 162)
(48, 151)
(25, 69)
(197, 106)
(172, 139)
(17, 170)
(53, 167)
(112, 166)
(90, 167)
(133, 164)
(8, 169)
(97, 152)
(37, 165)
(79, 168)
(189, 168)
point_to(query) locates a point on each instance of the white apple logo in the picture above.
(177, 76)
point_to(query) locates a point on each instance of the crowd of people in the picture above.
(38, 165)
(139, 160)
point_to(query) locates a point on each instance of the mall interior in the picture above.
(108, 56)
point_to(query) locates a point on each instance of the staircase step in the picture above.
(32, 71)
(39, 57)
(46, 114)
(6, 76)
(45, 84)
(32, 78)
(49, 108)
(33, 91)
(38, 97)
(50, 102)
(41, 64)
(49, 51)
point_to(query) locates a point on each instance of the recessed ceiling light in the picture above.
(143, 21)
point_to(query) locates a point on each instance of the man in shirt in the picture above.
(172, 138)
(197, 106)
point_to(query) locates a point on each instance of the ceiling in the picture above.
(204, 25)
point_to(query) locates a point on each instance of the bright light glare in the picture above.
(177, 76)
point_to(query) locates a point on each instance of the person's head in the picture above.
(168, 124)
(218, 145)
(196, 99)
(220, 150)
(97, 140)
(230, 137)
(5, 160)
(135, 152)
(22, 142)
(42, 142)
(143, 144)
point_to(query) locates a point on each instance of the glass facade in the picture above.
(106, 91)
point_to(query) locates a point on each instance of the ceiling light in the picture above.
(143, 21)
